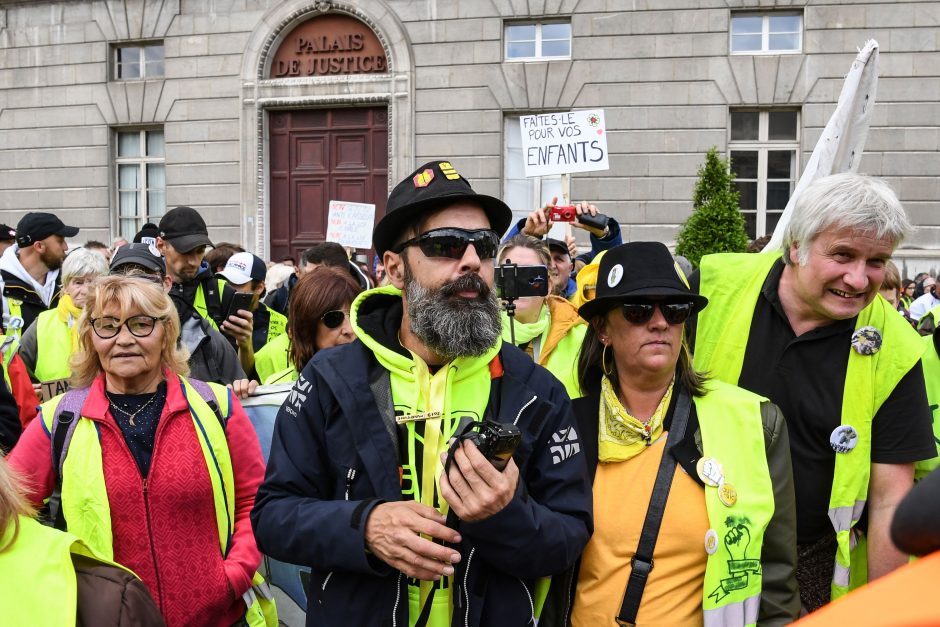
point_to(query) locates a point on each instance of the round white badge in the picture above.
(614, 276)
(711, 542)
(843, 439)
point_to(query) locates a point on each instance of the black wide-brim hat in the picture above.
(434, 185)
(636, 270)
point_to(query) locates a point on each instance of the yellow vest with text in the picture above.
(40, 561)
(732, 282)
(931, 364)
(85, 498)
(733, 434)
(277, 323)
(53, 347)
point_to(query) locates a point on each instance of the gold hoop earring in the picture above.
(607, 371)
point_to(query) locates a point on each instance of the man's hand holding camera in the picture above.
(473, 487)
(393, 534)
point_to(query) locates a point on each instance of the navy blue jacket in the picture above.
(333, 460)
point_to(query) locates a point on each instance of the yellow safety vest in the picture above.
(273, 357)
(931, 365)
(53, 347)
(732, 282)
(277, 323)
(40, 561)
(16, 313)
(199, 301)
(8, 348)
(85, 504)
(733, 435)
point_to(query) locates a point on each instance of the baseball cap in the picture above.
(147, 234)
(7, 233)
(36, 226)
(243, 267)
(184, 228)
(435, 184)
(143, 255)
(557, 244)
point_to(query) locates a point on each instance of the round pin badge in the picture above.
(15, 322)
(711, 541)
(614, 276)
(709, 471)
(727, 494)
(866, 341)
(843, 439)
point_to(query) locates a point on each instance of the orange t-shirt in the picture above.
(673, 593)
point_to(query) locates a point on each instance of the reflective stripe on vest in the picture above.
(931, 365)
(53, 347)
(732, 283)
(8, 348)
(733, 434)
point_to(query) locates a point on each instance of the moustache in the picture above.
(468, 282)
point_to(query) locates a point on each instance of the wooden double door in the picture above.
(319, 155)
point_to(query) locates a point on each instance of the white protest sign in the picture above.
(350, 223)
(559, 143)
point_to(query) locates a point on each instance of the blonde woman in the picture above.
(159, 471)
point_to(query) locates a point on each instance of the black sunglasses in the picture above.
(452, 243)
(333, 319)
(641, 313)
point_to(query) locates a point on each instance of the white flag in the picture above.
(840, 146)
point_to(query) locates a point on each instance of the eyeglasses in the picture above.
(333, 319)
(139, 326)
(452, 243)
(641, 313)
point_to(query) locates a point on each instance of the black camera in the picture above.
(515, 281)
(497, 441)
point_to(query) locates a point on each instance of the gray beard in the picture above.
(451, 326)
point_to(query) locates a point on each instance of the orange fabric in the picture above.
(673, 594)
(905, 598)
(564, 316)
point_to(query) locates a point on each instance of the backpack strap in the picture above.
(67, 414)
(209, 396)
(212, 294)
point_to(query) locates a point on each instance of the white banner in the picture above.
(350, 223)
(560, 143)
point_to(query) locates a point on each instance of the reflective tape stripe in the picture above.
(843, 517)
(841, 575)
(734, 614)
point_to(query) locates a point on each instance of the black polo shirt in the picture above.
(805, 376)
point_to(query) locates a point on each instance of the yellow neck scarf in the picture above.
(68, 313)
(621, 436)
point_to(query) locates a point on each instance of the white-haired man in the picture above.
(809, 331)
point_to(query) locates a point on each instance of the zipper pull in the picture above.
(350, 477)
(648, 435)
(145, 486)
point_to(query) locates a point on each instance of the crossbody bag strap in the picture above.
(642, 562)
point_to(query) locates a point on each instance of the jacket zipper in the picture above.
(466, 595)
(524, 407)
(350, 477)
(153, 550)
(397, 600)
(528, 596)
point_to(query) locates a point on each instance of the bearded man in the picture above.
(29, 271)
(355, 486)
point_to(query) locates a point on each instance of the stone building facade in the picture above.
(112, 110)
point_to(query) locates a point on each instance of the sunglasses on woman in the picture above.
(641, 313)
(139, 326)
(451, 243)
(333, 319)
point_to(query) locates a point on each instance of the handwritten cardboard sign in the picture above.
(350, 223)
(560, 143)
(49, 389)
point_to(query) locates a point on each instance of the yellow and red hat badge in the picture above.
(423, 179)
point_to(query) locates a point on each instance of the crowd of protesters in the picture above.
(451, 455)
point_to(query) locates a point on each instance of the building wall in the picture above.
(659, 68)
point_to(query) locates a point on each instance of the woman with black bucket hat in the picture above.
(720, 529)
